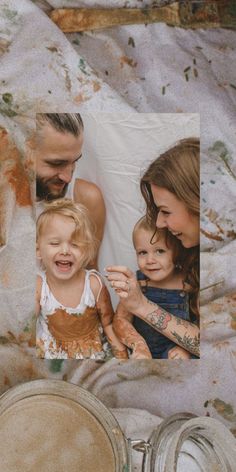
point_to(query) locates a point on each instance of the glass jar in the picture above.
(53, 425)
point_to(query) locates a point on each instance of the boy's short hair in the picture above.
(171, 241)
(85, 229)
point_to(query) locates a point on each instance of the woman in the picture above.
(170, 188)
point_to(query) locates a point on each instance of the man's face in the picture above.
(56, 157)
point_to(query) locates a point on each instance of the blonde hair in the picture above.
(84, 233)
(177, 170)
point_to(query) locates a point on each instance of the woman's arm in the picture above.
(127, 334)
(106, 314)
(184, 333)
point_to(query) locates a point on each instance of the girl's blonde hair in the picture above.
(84, 234)
(178, 170)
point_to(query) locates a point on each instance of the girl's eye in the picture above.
(142, 253)
(160, 251)
(54, 244)
(74, 245)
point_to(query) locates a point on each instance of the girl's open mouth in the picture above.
(64, 266)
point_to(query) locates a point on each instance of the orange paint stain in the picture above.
(96, 86)
(19, 182)
(215, 237)
(14, 171)
(127, 60)
(5, 279)
(81, 98)
(6, 381)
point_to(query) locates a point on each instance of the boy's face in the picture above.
(154, 260)
(60, 254)
(56, 157)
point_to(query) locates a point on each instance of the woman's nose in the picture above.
(161, 220)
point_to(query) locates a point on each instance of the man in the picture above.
(58, 146)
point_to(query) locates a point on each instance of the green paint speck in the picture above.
(82, 67)
(7, 98)
(56, 365)
(9, 14)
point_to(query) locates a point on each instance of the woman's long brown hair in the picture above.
(178, 171)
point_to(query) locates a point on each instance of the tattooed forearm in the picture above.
(180, 321)
(192, 344)
(159, 319)
(182, 332)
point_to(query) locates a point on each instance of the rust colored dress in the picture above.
(63, 332)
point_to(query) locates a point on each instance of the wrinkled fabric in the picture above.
(163, 70)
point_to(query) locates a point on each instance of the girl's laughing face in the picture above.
(57, 249)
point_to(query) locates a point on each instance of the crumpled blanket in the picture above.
(168, 70)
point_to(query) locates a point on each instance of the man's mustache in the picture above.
(55, 181)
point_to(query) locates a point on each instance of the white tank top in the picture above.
(49, 303)
(47, 346)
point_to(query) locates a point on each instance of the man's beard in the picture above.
(43, 191)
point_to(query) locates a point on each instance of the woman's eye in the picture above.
(165, 212)
(54, 244)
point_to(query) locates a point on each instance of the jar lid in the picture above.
(54, 425)
(185, 442)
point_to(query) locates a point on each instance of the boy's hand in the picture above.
(178, 352)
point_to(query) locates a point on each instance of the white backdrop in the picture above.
(118, 149)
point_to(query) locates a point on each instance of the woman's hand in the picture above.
(124, 282)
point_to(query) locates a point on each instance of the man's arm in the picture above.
(91, 197)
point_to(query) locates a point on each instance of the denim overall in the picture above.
(175, 302)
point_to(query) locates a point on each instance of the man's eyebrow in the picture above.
(61, 161)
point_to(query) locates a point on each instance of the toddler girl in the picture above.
(73, 305)
(160, 258)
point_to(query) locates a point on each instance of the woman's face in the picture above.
(173, 215)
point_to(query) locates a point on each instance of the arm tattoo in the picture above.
(188, 342)
(159, 319)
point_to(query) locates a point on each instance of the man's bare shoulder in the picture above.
(86, 192)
